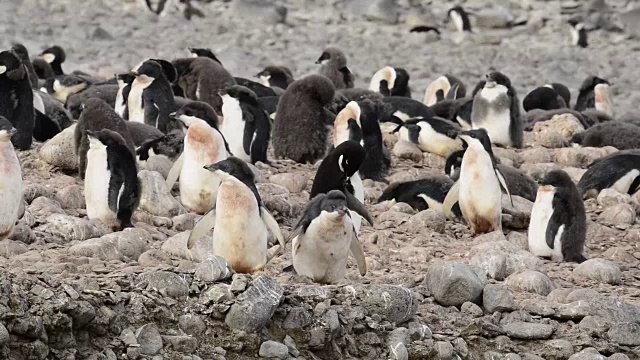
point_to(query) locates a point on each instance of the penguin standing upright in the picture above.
(246, 126)
(23, 54)
(202, 78)
(578, 33)
(324, 236)
(334, 66)
(478, 188)
(377, 161)
(16, 99)
(460, 19)
(558, 225)
(300, 127)
(587, 93)
(111, 186)
(10, 181)
(124, 87)
(151, 99)
(203, 145)
(239, 219)
(496, 109)
(276, 76)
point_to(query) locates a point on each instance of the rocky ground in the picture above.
(72, 290)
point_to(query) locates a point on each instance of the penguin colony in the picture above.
(214, 127)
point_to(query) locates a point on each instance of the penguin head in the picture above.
(495, 78)
(148, 71)
(54, 55)
(349, 156)
(204, 52)
(104, 138)
(240, 93)
(195, 112)
(477, 137)
(557, 178)
(383, 80)
(6, 129)
(316, 86)
(232, 167)
(332, 55)
(124, 79)
(335, 204)
(590, 83)
(68, 84)
(11, 66)
(281, 74)
(21, 50)
(454, 163)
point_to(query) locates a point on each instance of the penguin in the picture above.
(578, 33)
(324, 236)
(391, 81)
(334, 66)
(111, 186)
(422, 194)
(239, 219)
(54, 56)
(536, 115)
(458, 111)
(106, 92)
(170, 145)
(496, 109)
(269, 104)
(602, 100)
(558, 225)
(377, 161)
(276, 76)
(246, 125)
(124, 87)
(618, 171)
(563, 91)
(151, 99)
(16, 99)
(478, 190)
(460, 19)
(204, 52)
(399, 109)
(54, 110)
(543, 98)
(299, 131)
(42, 68)
(23, 54)
(450, 87)
(621, 135)
(258, 89)
(434, 135)
(587, 95)
(425, 29)
(61, 87)
(202, 78)
(141, 133)
(96, 116)
(204, 144)
(11, 181)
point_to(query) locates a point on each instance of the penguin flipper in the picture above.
(503, 184)
(414, 133)
(355, 205)
(358, 253)
(174, 173)
(205, 224)
(450, 200)
(272, 224)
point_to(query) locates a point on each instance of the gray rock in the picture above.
(618, 356)
(100, 248)
(429, 219)
(158, 163)
(536, 155)
(11, 248)
(453, 284)
(461, 347)
(574, 310)
(523, 260)
(4, 335)
(512, 356)
(181, 343)
(538, 171)
(529, 281)
(618, 214)
(600, 270)
(156, 198)
(260, 11)
(560, 348)
(398, 352)
(537, 307)
(192, 324)
(625, 334)
(149, 339)
(494, 264)
(291, 345)
(273, 349)
(154, 257)
(130, 242)
(295, 182)
(496, 297)
(33, 191)
(255, 306)
(610, 197)
(213, 269)
(71, 197)
(520, 211)
(519, 239)
(588, 354)
(394, 303)
(72, 228)
(43, 207)
(297, 318)
(528, 331)
(177, 246)
(275, 198)
(128, 337)
(406, 150)
(59, 150)
(444, 350)
(594, 325)
(165, 282)
(471, 309)
(185, 221)
(217, 293)
(23, 233)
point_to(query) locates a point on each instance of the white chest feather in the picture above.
(435, 142)
(497, 126)
(233, 127)
(120, 105)
(603, 99)
(479, 186)
(96, 185)
(457, 20)
(10, 188)
(358, 189)
(136, 111)
(540, 215)
(624, 183)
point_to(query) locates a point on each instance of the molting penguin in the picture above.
(106, 92)
(478, 188)
(202, 78)
(122, 96)
(151, 99)
(391, 82)
(246, 125)
(422, 194)
(203, 145)
(543, 98)
(334, 67)
(434, 135)
(621, 135)
(558, 225)
(618, 171)
(16, 99)
(497, 110)
(111, 186)
(578, 33)
(239, 219)
(460, 19)
(446, 86)
(299, 131)
(11, 181)
(324, 236)
(96, 116)
(276, 76)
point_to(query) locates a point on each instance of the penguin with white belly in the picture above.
(204, 144)
(150, 99)
(111, 185)
(619, 171)
(124, 87)
(10, 180)
(324, 236)
(478, 190)
(435, 135)
(239, 219)
(558, 225)
(496, 109)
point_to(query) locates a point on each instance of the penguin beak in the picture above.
(222, 92)
(465, 138)
(211, 167)
(12, 131)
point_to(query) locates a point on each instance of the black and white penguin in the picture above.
(478, 190)
(543, 98)
(588, 97)
(422, 194)
(324, 236)
(563, 91)
(122, 96)
(170, 145)
(106, 92)
(377, 161)
(299, 131)
(558, 225)
(334, 66)
(54, 56)
(621, 135)
(400, 109)
(619, 171)
(204, 52)
(201, 78)
(276, 76)
(246, 125)
(391, 81)
(142, 133)
(61, 87)
(11, 182)
(111, 186)
(434, 135)
(16, 99)
(460, 19)
(54, 110)
(446, 86)
(23, 54)
(458, 111)
(578, 33)
(239, 219)
(151, 99)
(96, 116)
(204, 144)
(496, 109)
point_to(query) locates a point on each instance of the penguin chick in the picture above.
(151, 99)
(16, 99)
(377, 161)
(204, 52)
(202, 78)
(618, 171)
(299, 131)
(111, 187)
(434, 135)
(276, 76)
(558, 225)
(97, 115)
(239, 219)
(334, 66)
(324, 236)
(621, 135)
(11, 181)
(106, 92)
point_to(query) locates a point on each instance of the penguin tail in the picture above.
(577, 258)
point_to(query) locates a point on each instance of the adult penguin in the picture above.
(16, 99)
